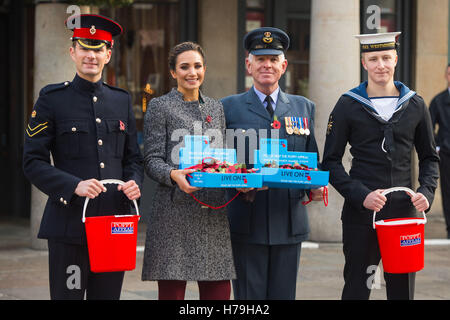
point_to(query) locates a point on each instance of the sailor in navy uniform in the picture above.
(383, 121)
(88, 128)
(268, 226)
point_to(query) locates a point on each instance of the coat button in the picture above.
(66, 83)
(61, 199)
(98, 120)
(65, 202)
(94, 99)
(74, 129)
(100, 142)
(102, 165)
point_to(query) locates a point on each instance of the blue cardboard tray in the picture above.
(196, 149)
(294, 179)
(289, 178)
(225, 180)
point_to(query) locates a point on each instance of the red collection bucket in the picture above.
(401, 241)
(112, 239)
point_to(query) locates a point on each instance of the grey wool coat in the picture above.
(184, 241)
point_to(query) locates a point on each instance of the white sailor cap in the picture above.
(378, 41)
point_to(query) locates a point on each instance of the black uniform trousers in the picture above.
(362, 254)
(71, 277)
(265, 272)
(444, 168)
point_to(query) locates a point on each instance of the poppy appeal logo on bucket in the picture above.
(410, 240)
(122, 227)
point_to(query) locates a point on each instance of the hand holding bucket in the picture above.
(401, 240)
(107, 181)
(407, 190)
(111, 239)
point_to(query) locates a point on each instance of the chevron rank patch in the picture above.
(35, 130)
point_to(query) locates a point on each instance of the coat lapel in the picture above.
(255, 105)
(282, 105)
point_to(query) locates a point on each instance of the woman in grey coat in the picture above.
(185, 241)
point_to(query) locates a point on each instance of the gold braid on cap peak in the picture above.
(83, 44)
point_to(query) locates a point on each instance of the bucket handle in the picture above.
(385, 192)
(107, 181)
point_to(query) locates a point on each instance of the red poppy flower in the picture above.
(208, 119)
(230, 170)
(276, 124)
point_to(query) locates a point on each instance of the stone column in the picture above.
(432, 56)
(218, 32)
(52, 65)
(334, 68)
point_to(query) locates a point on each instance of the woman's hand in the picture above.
(179, 177)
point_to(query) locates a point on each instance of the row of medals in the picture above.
(297, 125)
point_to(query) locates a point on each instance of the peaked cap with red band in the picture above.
(93, 31)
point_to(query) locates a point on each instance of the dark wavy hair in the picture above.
(183, 47)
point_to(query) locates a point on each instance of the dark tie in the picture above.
(269, 106)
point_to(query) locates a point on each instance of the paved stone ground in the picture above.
(24, 271)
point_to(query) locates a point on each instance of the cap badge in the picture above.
(92, 30)
(267, 37)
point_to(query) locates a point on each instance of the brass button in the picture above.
(100, 142)
(74, 129)
(98, 120)
(61, 199)
(65, 202)
(94, 99)
(102, 165)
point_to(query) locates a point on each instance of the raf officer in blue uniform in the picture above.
(268, 226)
(89, 129)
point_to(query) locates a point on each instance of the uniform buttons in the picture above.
(61, 199)
(66, 83)
(74, 129)
(94, 99)
(98, 120)
(100, 142)
(102, 165)
(65, 202)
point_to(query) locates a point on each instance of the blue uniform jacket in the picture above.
(90, 131)
(276, 216)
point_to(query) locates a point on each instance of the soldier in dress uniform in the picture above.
(268, 226)
(89, 129)
(383, 121)
(440, 116)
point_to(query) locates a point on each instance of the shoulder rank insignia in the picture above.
(33, 131)
(330, 124)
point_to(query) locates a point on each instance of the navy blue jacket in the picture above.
(90, 131)
(276, 216)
